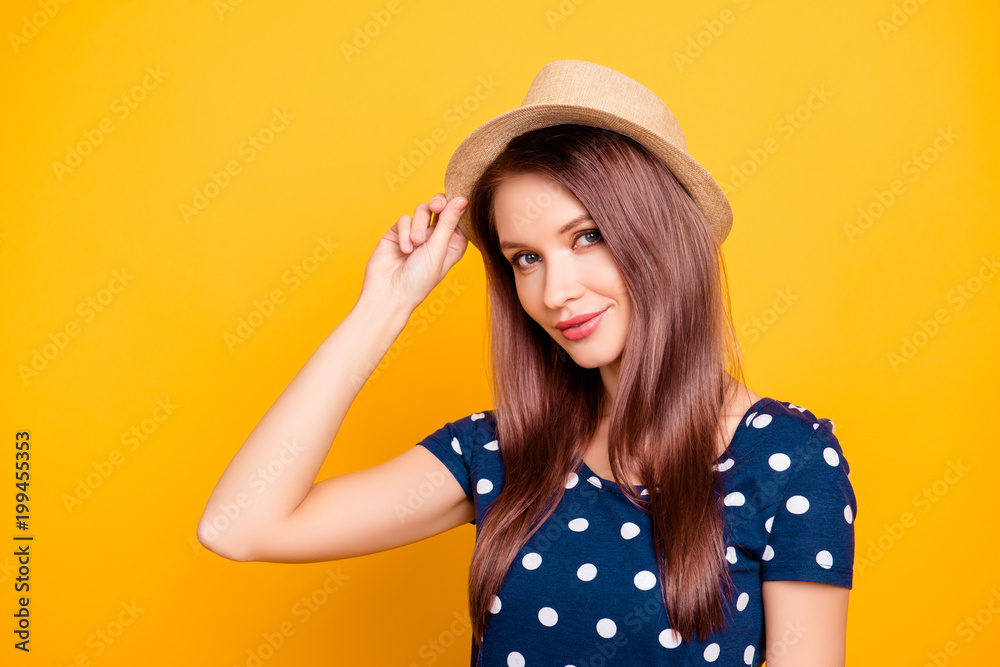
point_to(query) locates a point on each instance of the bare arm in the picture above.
(266, 505)
(805, 624)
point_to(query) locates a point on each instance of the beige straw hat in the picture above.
(577, 91)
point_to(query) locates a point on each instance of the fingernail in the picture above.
(461, 204)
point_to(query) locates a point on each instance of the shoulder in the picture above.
(476, 423)
(793, 426)
(469, 433)
(797, 450)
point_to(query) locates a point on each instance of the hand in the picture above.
(413, 257)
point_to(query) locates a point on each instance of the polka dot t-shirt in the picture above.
(584, 590)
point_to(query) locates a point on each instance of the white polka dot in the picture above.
(492, 445)
(830, 454)
(712, 652)
(768, 553)
(644, 492)
(495, 605)
(731, 555)
(725, 465)
(531, 561)
(477, 416)
(548, 616)
(587, 572)
(572, 480)
(760, 421)
(515, 659)
(848, 515)
(644, 580)
(750, 417)
(606, 628)
(779, 461)
(831, 425)
(735, 498)
(767, 524)
(825, 559)
(578, 525)
(742, 601)
(670, 638)
(457, 447)
(748, 655)
(629, 530)
(595, 481)
(484, 486)
(815, 426)
(795, 407)
(797, 504)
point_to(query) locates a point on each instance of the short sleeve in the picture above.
(812, 527)
(452, 444)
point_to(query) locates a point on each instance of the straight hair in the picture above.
(665, 421)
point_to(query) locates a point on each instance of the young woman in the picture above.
(634, 503)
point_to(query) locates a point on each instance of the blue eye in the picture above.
(514, 260)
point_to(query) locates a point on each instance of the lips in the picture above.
(581, 331)
(577, 320)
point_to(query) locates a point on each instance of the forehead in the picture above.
(531, 206)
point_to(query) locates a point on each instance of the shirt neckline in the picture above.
(740, 428)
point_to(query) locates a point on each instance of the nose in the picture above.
(561, 281)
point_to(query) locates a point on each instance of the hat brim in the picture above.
(487, 141)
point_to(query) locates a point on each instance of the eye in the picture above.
(587, 233)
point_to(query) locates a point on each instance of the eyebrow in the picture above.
(507, 245)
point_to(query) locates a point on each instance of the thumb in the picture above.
(445, 226)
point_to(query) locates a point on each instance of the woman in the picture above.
(634, 502)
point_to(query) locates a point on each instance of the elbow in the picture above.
(212, 539)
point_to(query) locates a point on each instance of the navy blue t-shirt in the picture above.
(584, 590)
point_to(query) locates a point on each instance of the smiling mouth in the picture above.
(584, 329)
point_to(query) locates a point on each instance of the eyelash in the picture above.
(524, 253)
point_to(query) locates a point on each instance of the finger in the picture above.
(421, 221)
(403, 229)
(446, 225)
(438, 202)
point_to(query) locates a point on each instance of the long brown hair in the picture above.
(666, 414)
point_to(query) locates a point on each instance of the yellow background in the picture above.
(896, 75)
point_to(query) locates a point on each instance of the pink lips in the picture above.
(584, 329)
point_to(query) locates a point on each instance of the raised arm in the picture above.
(267, 506)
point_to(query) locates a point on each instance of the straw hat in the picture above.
(577, 91)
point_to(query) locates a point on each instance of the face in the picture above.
(563, 269)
